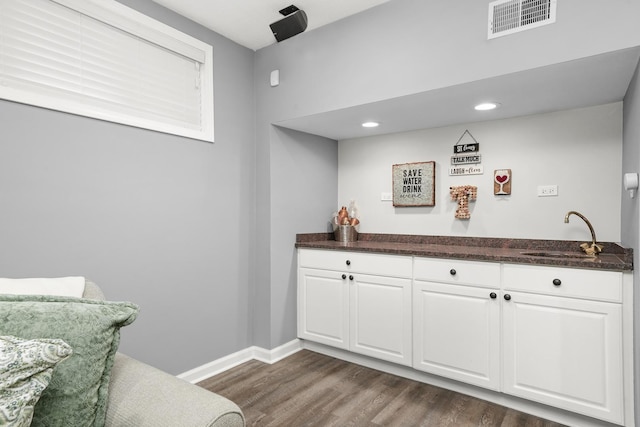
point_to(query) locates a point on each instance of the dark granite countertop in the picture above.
(561, 253)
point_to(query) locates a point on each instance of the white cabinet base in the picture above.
(534, 338)
(457, 332)
(325, 296)
(543, 411)
(580, 365)
(340, 305)
(381, 318)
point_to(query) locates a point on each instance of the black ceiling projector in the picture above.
(294, 22)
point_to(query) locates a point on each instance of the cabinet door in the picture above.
(323, 307)
(457, 332)
(564, 352)
(381, 317)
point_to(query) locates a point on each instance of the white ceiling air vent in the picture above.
(512, 16)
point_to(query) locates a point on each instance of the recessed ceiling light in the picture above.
(370, 124)
(485, 106)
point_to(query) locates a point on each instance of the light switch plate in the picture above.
(274, 78)
(547, 190)
(386, 197)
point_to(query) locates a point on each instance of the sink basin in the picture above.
(555, 254)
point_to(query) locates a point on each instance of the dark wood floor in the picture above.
(310, 389)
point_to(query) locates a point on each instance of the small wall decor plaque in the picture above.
(465, 159)
(502, 182)
(462, 194)
(462, 147)
(466, 170)
(414, 184)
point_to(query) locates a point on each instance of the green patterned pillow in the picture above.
(77, 393)
(26, 367)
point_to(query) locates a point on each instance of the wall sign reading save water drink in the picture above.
(414, 184)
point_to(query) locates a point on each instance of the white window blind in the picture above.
(100, 59)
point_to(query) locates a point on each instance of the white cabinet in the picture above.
(456, 314)
(380, 317)
(356, 301)
(563, 341)
(323, 307)
(558, 336)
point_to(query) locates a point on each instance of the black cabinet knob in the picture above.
(348, 262)
(350, 277)
(557, 282)
(493, 295)
(344, 276)
(453, 271)
(507, 297)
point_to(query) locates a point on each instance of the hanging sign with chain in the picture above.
(466, 158)
(462, 147)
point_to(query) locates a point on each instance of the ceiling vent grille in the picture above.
(512, 16)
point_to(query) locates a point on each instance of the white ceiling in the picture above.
(246, 22)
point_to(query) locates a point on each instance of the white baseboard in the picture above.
(216, 367)
(278, 353)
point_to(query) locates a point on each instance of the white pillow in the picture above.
(59, 286)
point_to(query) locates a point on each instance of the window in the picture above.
(104, 60)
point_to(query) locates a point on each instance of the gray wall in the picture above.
(297, 179)
(630, 210)
(304, 180)
(164, 221)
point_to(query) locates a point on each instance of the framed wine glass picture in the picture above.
(414, 184)
(502, 182)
